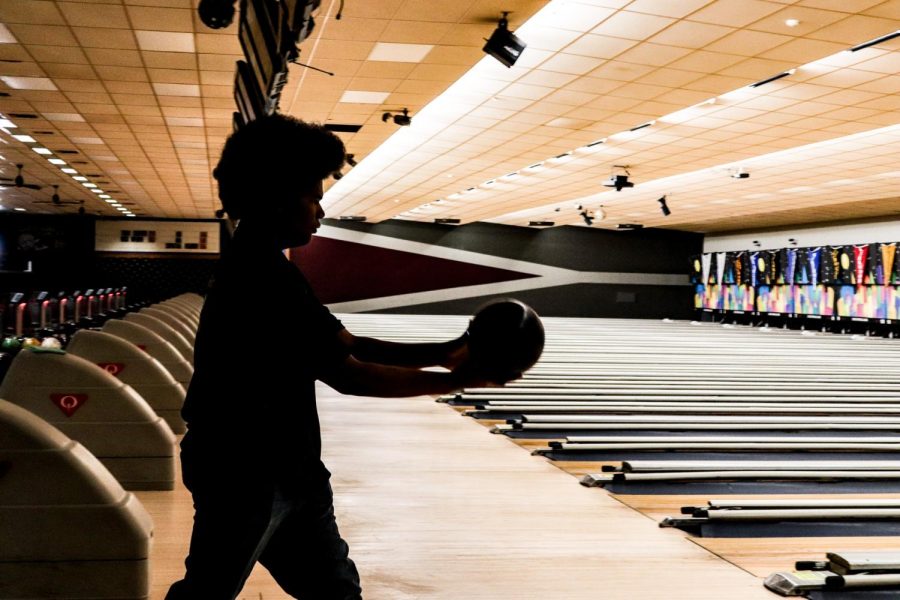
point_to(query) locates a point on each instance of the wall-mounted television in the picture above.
(259, 37)
(247, 96)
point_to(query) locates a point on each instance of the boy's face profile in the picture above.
(298, 217)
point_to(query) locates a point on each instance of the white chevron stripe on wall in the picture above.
(544, 276)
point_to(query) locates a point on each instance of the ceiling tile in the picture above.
(96, 37)
(94, 15)
(687, 34)
(161, 19)
(37, 12)
(42, 35)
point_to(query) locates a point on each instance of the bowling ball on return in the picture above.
(10, 344)
(506, 338)
(30, 342)
(52, 343)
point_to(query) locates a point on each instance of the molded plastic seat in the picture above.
(137, 368)
(68, 528)
(172, 321)
(188, 315)
(94, 408)
(170, 335)
(154, 345)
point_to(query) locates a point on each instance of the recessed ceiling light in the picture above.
(86, 140)
(68, 170)
(6, 123)
(177, 89)
(56, 161)
(792, 22)
(390, 52)
(357, 97)
(25, 138)
(105, 196)
(20, 209)
(165, 41)
(29, 83)
(185, 121)
(97, 191)
(69, 117)
(111, 201)
(89, 185)
(41, 150)
(78, 177)
(5, 36)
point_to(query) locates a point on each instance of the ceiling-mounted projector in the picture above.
(618, 182)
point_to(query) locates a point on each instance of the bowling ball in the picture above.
(52, 343)
(10, 344)
(30, 341)
(506, 338)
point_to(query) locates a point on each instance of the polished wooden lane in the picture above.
(434, 507)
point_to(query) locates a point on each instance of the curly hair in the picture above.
(270, 156)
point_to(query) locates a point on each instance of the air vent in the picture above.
(351, 218)
(629, 226)
(541, 223)
(67, 152)
(45, 132)
(447, 221)
(78, 162)
(10, 60)
(343, 127)
(22, 116)
(4, 94)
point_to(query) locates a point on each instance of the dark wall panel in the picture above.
(579, 300)
(643, 253)
(157, 277)
(579, 248)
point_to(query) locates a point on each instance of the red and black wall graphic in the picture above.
(411, 267)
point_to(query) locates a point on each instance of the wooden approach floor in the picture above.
(433, 506)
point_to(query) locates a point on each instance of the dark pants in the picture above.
(295, 538)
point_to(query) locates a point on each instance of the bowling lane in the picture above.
(432, 507)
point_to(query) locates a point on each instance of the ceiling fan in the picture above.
(19, 181)
(56, 200)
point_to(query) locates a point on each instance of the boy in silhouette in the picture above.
(251, 455)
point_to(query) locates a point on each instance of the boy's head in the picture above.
(266, 163)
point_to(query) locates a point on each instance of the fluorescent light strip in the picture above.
(27, 139)
(41, 150)
(875, 42)
(7, 124)
(772, 78)
(69, 170)
(56, 161)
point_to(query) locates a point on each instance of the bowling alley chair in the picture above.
(189, 315)
(68, 529)
(170, 335)
(172, 321)
(191, 299)
(137, 368)
(94, 408)
(154, 345)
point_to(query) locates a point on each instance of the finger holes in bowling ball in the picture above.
(506, 338)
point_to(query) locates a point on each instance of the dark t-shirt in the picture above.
(263, 340)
